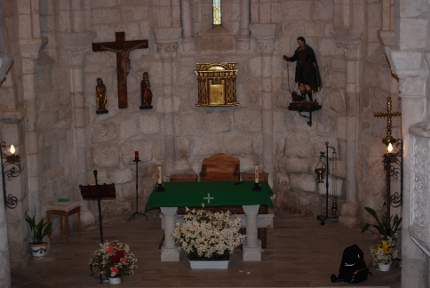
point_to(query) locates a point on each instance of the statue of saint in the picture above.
(307, 72)
(101, 97)
(145, 90)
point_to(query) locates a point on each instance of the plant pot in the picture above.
(384, 267)
(114, 280)
(39, 249)
(209, 264)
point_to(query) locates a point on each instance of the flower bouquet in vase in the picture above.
(208, 238)
(382, 255)
(112, 261)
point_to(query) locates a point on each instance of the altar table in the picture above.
(212, 194)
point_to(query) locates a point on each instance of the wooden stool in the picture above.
(64, 210)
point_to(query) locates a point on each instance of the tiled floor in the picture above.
(300, 253)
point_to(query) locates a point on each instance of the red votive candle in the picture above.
(136, 155)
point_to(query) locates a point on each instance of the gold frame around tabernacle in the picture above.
(216, 84)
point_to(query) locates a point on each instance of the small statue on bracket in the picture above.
(101, 97)
(146, 94)
(307, 74)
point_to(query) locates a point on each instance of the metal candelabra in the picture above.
(326, 171)
(10, 167)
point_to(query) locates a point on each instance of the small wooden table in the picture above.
(64, 210)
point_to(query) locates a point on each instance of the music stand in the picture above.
(98, 192)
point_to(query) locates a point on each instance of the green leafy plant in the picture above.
(387, 226)
(38, 230)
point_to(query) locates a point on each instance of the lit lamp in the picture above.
(320, 169)
(11, 167)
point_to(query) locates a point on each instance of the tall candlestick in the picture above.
(159, 175)
(136, 155)
(257, 176)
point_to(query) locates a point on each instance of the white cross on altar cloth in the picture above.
(209, 198)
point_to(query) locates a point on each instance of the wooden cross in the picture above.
(122, 49)
(389, 114)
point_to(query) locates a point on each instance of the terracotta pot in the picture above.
(39, 249)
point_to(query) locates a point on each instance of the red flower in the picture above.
(117, 256)
(109, 250)
(124, 261)
(114, 271)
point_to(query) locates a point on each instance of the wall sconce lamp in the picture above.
(11, 167)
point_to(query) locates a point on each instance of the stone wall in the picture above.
(72, 140)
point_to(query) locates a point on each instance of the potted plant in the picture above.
(387, 228)
(208, 239)
(112, 261)
(39, 231)
(382, 255)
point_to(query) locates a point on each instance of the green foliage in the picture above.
(38, 230)
(386, 226)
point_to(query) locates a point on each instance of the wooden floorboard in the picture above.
(300, 253)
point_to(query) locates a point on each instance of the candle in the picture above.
(256, 175)
(136, 155)
(12, 149)
(159, 175)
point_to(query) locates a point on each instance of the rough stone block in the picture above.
(299, 146)
(415, 86)
(106, 16)
(295, 165)
(237, 144)
(218, 122)
(104, 131)
(106, 156)
(206, 145)
(149, 123)
(296, 10)
(103, 3)
(303, 182)
(128, 128)
(323, 10)
(327, 47)
(413, 33)
(247, 120)
(190, 124)
(121, 176)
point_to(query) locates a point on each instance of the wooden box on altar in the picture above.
(250, 176)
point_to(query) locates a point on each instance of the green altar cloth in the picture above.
(209, 194)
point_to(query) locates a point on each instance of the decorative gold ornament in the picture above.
(216, 84)
(389, 114)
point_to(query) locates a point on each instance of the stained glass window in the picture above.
(216, 12)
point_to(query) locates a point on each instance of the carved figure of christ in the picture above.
(122, 49)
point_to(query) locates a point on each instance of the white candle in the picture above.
(256, 175)
(159, 175)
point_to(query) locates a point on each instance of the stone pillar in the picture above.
(349, 209)
(413, 81)
(252, 247)
(265, 36)
(75, 44)
(167, 43)
(169, 251)
(4, 247)
(187, 23)
(244, 24)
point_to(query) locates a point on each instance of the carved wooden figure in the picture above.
(145, 90)
(122, 49)
(101, 98)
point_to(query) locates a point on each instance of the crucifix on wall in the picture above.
(122, 49)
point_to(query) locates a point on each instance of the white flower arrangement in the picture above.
(208, 235)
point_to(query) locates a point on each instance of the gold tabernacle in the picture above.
(216, 84)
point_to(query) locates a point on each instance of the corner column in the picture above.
(265, 36)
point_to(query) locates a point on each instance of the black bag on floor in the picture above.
(352, 269)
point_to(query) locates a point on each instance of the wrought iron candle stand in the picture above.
(10, 168)
(324, 170)
(393, 167)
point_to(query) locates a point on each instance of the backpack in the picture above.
(352, 269)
